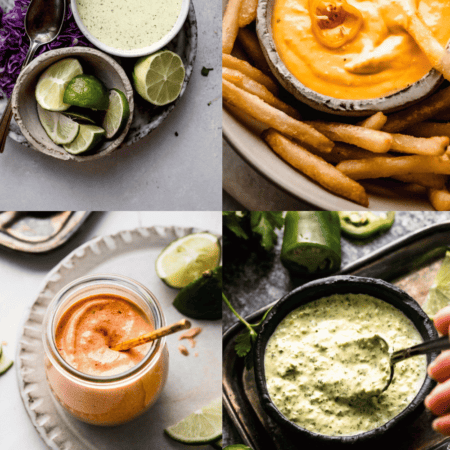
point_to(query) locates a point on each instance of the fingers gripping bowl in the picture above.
(370, 292)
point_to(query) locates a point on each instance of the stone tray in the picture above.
(411, 263)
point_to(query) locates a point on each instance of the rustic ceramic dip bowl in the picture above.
(324, 288)
(393, 102)
(24, 103)
(136, 52)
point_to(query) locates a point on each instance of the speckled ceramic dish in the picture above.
(398, 100)
(146, 116)
(24, 103)
(137, 52)
(343, 284)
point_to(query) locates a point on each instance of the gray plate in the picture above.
(409, 262)
(146, 116)
(38, 232)
(193, 381)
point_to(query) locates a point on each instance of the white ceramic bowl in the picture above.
(389, 103)
(136, 52)
(24, 105)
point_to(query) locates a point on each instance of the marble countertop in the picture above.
(270, 281)
(177, 167)
(21, 278)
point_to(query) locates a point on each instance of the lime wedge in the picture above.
(202, 299)
(59, 128)
(53, 82)
(117, 114)
(5, 362)
(237, 447)
(88, 137)
(158, 78)
(185, 259)
(439, 294)
(201, 427)
(86, 91)
(79, 117)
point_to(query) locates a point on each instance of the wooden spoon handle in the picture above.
(434, 51)
(153, 335)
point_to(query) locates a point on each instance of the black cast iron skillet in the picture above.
(325, 287)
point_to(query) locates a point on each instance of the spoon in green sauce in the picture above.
(373, 382)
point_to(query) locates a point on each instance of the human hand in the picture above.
(438, 402)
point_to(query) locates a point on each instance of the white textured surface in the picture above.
(162, 171)
(20, 279)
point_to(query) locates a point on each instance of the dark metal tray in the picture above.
(410, 263)
(38, 232)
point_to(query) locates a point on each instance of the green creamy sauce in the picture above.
(129, 25)
(320, 356)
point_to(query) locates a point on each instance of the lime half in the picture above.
(185, 259)
(117, 114)
(88, 137)
(158, 78)
(439, 295)
(86, 91)
(201, 427)
(53, 82)
(59, 128)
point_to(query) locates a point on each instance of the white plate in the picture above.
(261, 158)
(193, 381)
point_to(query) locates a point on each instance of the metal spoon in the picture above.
(43, 23)
(383, 362)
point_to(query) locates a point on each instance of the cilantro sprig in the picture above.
(244, 343)
(260, 224)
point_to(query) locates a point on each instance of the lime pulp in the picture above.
(158, 78)
(117, 115)
(59, 128)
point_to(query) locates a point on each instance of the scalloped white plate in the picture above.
(193, 381)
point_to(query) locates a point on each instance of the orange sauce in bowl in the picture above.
(379, 60)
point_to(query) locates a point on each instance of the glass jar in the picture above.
(106, 400)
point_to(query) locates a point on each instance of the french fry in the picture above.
(375, 122)
(429, 129)
(230, 25)
(248, 12)
(433, 146)
(248, 121)
(343, 152)
(252, 72)
(255, 88)
(398, 165)
(273, 117)
(315, 167)
(428, 180)
(393, 189)
(440, 199)
(373, 140)
(431, 107)
(251, 46)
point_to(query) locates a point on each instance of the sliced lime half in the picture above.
(117, 114)
(59, 128)
(88, 137)
(185, 259)
(53, 82)
(439, 294)
(201, 427)
(158, 78)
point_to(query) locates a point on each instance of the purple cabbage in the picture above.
(14, 42)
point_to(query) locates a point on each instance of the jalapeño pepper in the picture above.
(311, 242)
(362, 225)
